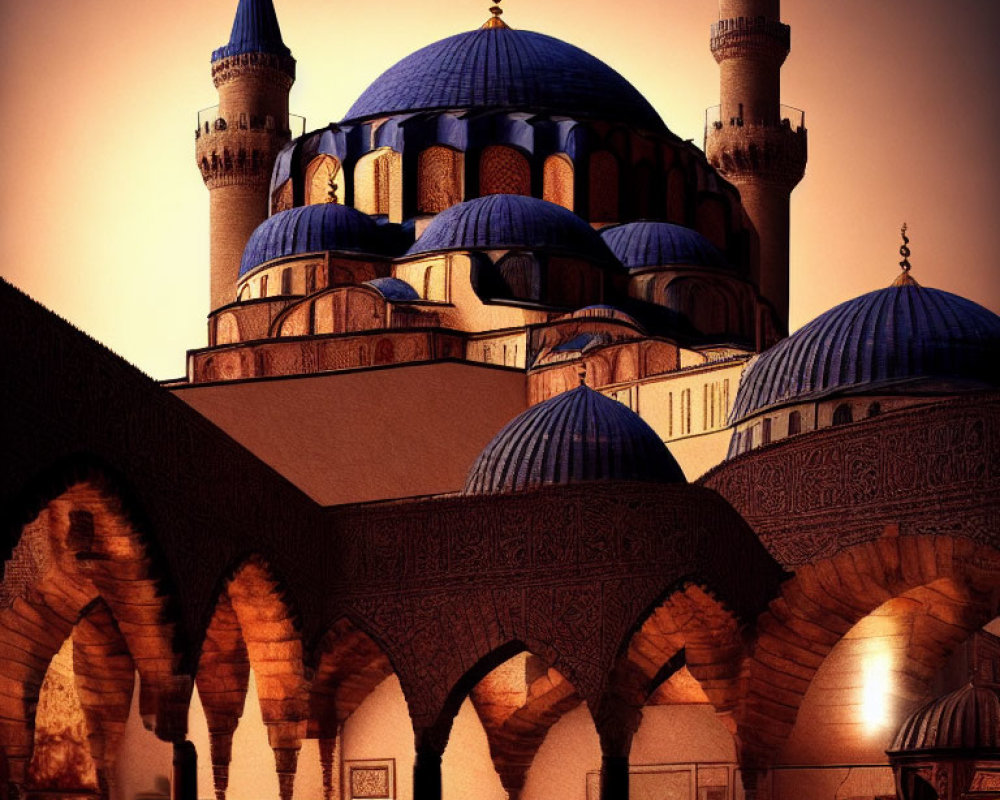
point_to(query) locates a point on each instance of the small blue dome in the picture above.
(657, 244)
(506, 68)
(576, 436)
(879, 341)
(310, 229)
(255, 30)
(501, 221)
(393, 289)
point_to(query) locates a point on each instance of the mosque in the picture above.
(500, 475)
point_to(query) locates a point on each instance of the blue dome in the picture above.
(506, 68)
(393, 289)
(657, 244)
(878, 341)
(501, 221)
(576, 436)
(255, 30)
(310, 229)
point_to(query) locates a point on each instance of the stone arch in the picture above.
(603, 205)
(378, 184)
(504, 170)
(440, 179)
(825, 600)
(321, 171)
(557, 180)
(270, 631)
(517, 696)
(688, 629)
(57, 573)
(521, 274)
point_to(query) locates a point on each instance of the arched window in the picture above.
(281, 200)
(286, 280)
(794, 423)
(522, 276)
(842, 414)
(503, 170)
(324, 181)
(440, 178)
(263, 285)
(557, 181)
(378, 184)
(765, 432)
(603, 187)
(875, 409)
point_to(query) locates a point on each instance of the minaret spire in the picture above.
(238, 141)
(755, 142)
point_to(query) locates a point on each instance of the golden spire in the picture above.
(495, 21)
(904, 278)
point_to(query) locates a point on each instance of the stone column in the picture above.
(185, 783)
(427, 774)
(614, 777)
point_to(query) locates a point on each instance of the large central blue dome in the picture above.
(509, 69)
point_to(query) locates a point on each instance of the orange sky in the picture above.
(105, 218)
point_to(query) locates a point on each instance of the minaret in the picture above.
(755, 143)
(237, 142)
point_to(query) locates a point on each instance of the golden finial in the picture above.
(581, 372)
(495, 21)
(904, 278)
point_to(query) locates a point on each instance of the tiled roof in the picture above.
(655, 244)
(500, 221)
(506, 68)
(576, 436)
(311, 229)
(255, 30)
(890, 336)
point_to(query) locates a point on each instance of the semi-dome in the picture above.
(882, 341)
(967, 720)
(500, 67)
(656, 244)
(503, 221)
(310, 229)
(393, 289)
(576, 436)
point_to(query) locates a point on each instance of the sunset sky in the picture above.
(105, 217)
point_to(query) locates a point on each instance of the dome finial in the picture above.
(495, 21)
(904, 279)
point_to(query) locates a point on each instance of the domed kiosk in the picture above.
(574, 437)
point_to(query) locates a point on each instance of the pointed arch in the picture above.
(80, 544)
(324, 180)
(274, 648)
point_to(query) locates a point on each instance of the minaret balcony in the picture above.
(210, 121)
(741, 150)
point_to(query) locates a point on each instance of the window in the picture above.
(794, 423)
(286, 280)
(842, 415)
(557, 181)
(765, 432)
(504, 170)
(874, 409)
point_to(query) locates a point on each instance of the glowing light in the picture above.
(875, 687)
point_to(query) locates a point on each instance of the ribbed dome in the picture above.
(500, 221)
(656, 244)
(967, 720)
(310, 229)
(879, 340)
(502, 68)
(576, 436)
